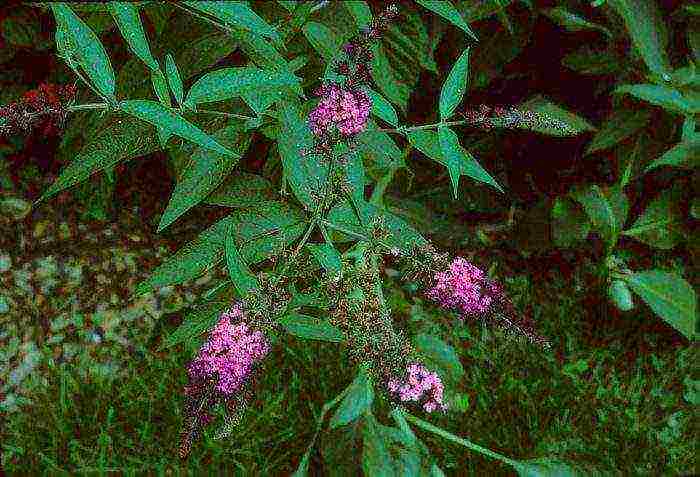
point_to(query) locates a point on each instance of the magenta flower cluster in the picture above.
(462, 287)
(420, 384)
(341, 108)
(229, 354)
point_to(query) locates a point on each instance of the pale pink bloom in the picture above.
(420, 384)
(345, 109)
(462, 287)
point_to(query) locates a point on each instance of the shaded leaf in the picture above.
(620, 125)
(572, 21)
(569, 223)
(360, 11)
(590, 62)
(382, 108)
(324, 40)
(160, 86)
(660, 223)
(386, 79)
(122, 138)
(326, 255)
(664, 96)
(556, 120)
(241, 276)
(357, 401)
(308, 327)
(683, 154)
(669, 296)
(376, 459)
(439, 354)
(242, 190)
(606, 207)
(205, 172)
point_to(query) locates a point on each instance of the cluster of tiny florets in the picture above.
(513, 117)
(462, 287)
(43, 108)
(419, 385)
(341, 108)
(220, 372)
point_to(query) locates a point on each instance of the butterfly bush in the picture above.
(420, 384)
(44, 108)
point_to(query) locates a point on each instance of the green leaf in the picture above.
(326, 255)
(376, 459)
(549, 468)
(664, 96)
(242, 190)
(259, 234)
(591, 62)
(569, 223)
(621, 295)
(440, 354)
(241, 276)
(553, 119)
(386, 79)
(645, 25)
(455, 85)
(237, 14)
(684, 154)
(659, 225)
(129, 22)
(120, 139)
(572, 21)
(82, 43)
(200, 320)
(382, 108)
(227, 83)
(620, 125)
(357, 401)
(174, 79)
(205, 172)
(360, 11)
(379, 151)
(401, 235)
(324, 40)
(311, 328)
(460, 162)
(192, 260)
(160, 86)
(303, 172)
(606, 207)
(669, 296)
(165, 118)
(447, 11)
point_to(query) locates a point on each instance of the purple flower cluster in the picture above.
(230, 353)
(341, 108)
(420, 384)
(463, 287)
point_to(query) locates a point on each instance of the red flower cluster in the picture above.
(43, 108)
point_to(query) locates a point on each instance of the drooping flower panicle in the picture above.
(419, 385)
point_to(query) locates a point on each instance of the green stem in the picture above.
(404, 129)
(458, 440)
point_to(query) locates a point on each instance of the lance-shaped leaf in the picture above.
(358, 399)
(241, 276)
(174, 79)
(551, 119)
(308, 327)
(684, 154)
(205, 172)
(326, 255)
(455, 85)
(670, 296)
(447, 11)
(168, 120)
(460, 161)
(227, 83)
(237, 14)
(664, 96)
(242, 190)
(258, 234)
(660, 224)
(127, 17)
(160, 86)
(572, 21)
(302, 170)
(620, 125)
(382, 108)
(643, 21)
(606, 207)
(80, 41)
(324, 40)
(387, 79)
(120, 139)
